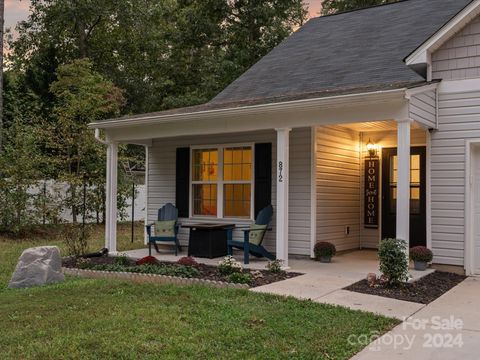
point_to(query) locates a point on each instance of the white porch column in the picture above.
(283, 151)
(403, 180)
(111, 198)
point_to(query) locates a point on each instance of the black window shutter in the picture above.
(263, 176)
(182, 181)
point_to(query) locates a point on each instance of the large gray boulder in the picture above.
(38, 266)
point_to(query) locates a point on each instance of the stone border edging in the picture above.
(149, 278)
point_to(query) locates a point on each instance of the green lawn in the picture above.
(98, 319)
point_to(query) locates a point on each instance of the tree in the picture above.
(336, 6)
(20, 164)
(164, 54)
(257, 26)
(81, 96)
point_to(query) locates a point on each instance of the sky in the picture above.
(17, 10)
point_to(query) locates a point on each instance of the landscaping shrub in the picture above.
(421, 253)
(75, 237)
(240, 278)
(187, 261)
(121, 259)
(275, 266)
(393, 260)
(169, 270)
(324, 249)
(229, 266)
(146, 260)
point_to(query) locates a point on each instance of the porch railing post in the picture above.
(283, 151)
(403, 181)
(111, 198)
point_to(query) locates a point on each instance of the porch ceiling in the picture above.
(376, 126)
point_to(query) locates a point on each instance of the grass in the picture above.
(11, 249)
(99, 319)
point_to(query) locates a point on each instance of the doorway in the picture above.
(418, 208)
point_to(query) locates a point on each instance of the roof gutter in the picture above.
(325, 102)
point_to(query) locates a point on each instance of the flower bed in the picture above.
(423, 291)
(121, 264)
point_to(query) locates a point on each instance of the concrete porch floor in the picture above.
(321, 282)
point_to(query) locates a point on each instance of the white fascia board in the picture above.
(353, 112)
(420, 90)
(422, 54)
(459, 86)
(326, 102)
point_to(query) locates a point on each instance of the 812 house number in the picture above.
(280, 171)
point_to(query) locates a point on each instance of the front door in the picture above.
(418, 224)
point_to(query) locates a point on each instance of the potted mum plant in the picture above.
(324, 251)
(421, 256)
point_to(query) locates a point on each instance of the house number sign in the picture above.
(371, 193)
(280, 171)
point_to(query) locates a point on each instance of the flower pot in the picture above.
(420, 265)
(325, 259)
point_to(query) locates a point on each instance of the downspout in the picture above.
(99, 139)
(437, 107)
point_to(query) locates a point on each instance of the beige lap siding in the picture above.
(161, 181)
(338, 186)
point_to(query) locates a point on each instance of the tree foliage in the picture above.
(336, 6)
(162, 53)
(77, 61)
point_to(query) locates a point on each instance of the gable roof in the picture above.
(347, 50)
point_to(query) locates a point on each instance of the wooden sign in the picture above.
(371, 208)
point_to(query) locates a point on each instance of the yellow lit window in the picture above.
(232, 173)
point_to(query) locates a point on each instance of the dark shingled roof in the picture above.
(354, 49)
(348, 53)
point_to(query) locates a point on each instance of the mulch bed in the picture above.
(423, 291)
(207, 272)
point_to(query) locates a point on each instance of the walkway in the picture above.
(421, 337)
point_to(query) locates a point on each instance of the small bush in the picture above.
(240, 278)
(324, 249)
(146, 260)
(275, 266)
(75, 237)
(121, 259)
(393, 260)
(169, 270)
(421, 253)
(229, 266)
(187, 261)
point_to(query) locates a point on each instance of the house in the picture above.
(360, 126)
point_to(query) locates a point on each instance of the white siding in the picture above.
(423, 108)
(459, 57)
(459, 120)
(338, 186)
(161, 180)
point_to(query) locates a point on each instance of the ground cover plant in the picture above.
(229, 269)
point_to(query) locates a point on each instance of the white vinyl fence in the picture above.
(59, 190)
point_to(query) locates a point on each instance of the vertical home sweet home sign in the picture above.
(372, 166)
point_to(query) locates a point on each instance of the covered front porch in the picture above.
(317, 146)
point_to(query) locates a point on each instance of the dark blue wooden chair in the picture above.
(167, 213)
(264, 218)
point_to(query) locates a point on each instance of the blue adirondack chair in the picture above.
(264, 217)
(167, 213)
